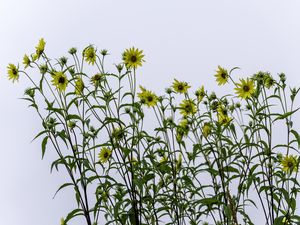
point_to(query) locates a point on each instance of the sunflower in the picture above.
(96, 79)
(39, 49)
(79, 86)
(179, 137)
(180, 86)
(104, 155)
(222, 110)
(26, 61)
(184, 125)
(118, 133)
(182, 129)
(289, 163)
(187, 107)
(133, 58)
(206, 129)
(221, 76)
(245, 89)
(269, 81)
(200, 93)
(222, 114)
(223, 120)
(13, 72)
(60, 81)
(147, 97)
(89, 55)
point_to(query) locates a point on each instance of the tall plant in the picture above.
(209, 159)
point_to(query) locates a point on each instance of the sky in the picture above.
(182, 39)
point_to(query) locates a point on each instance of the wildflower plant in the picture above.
(209, 160)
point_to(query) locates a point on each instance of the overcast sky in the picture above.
(183, 39)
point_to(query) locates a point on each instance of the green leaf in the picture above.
(73, 213)
(295, 133)
(44, 143)
(62, 187)
(283, 116)
(278, 220)
(73, 116)
(208, 201)
(231, 169)
(39, 134)
(148, 177)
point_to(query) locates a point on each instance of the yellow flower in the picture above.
(60, 81)
(222, 114)
(179, 137)
(26, 61)
(221, 76)
(104, 155)
(89, 54)
(245, 89)
(223, 120)
(269, 81)
(183, 127)
(182, 130)
(184, 124)
(39, 49)
(79, 86)
(187, 107)
(133, 58)
(34, 57)
(289, 163)
(13, 72)
(96, 79)
(180, 86)
(200, 93)
(147, 97)
(118, 133)
(206, 129)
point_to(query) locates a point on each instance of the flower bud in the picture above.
(120, 67)
(282, 77)
(72, 51)
(104, 52)
(168, 91)
(43, 69)
(63, 60)
(71, 124)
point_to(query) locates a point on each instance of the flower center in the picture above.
(97, 77)
(14, 71)
(133, 58)
(61, 80)
(150, 98)
(180, 87)
(224, 112)
(91, 55)
(105, 155)
(224, 75)
(246, 88)
(290, 164)
(188, 108)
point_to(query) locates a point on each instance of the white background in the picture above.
(183, 39)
